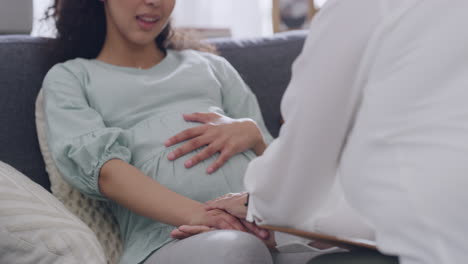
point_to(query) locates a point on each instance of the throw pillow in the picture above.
(92, 212)
(36, 228)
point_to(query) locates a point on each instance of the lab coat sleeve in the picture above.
(292, 180)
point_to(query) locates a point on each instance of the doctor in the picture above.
(378, 102)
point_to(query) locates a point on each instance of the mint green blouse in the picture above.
(96, 112)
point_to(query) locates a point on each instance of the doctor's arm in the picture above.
(292, 180)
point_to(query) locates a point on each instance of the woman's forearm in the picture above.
(132, 189)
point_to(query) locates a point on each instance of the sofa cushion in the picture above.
(25, 61)
(95, 214)
(36, 228)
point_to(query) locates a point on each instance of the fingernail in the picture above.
(171, 156)
(188, 163)
(167, 143)
(210, 170)
(264, 234)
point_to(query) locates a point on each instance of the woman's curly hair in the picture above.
(81, 31)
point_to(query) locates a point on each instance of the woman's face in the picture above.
(137, 21)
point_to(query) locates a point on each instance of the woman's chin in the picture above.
(143, 40)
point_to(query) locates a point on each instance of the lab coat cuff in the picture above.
(252, 213)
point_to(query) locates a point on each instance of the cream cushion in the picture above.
(94, 213)
(36, 228)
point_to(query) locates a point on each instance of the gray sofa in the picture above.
(264, 63)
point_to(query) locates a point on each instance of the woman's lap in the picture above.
(223, 246)
(235, 247)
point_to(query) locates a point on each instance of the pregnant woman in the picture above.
(126, 86)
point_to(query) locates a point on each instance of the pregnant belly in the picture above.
(146, 141)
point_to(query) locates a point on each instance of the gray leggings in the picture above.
(221, 246)
(235, 247)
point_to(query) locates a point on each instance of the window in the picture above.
(41, 28)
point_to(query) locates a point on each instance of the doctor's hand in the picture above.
(218, 133)
(233, 203)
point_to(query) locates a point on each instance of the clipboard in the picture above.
(346, 243)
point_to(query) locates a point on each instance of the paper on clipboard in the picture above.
(335, 224)
(346, 243)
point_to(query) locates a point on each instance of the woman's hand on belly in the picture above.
(219, 134)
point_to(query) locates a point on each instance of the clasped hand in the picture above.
(218, 133)
(225, 212)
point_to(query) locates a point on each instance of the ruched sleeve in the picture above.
(78, 138)
(238, 99)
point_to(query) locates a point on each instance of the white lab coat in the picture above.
(378, 105)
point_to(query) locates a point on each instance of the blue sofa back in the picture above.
(264, 63)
